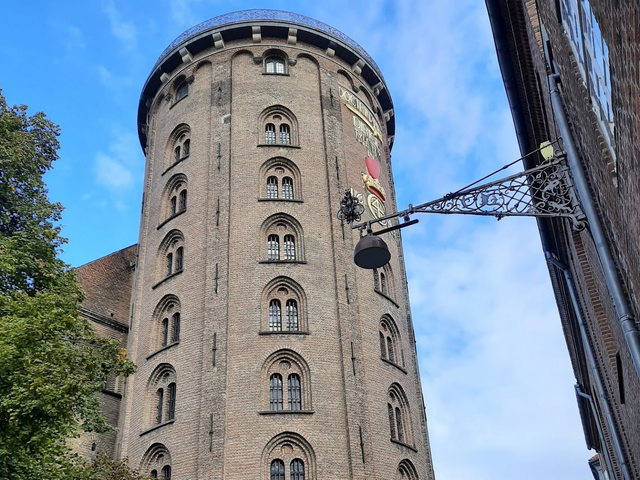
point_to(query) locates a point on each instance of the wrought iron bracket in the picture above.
(544, 191)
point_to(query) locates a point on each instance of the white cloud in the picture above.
(124, 31)
(121, 167)
(111, 173)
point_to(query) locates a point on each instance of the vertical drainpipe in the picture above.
(625, 318)
(596, 377)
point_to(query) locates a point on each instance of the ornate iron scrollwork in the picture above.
(351, 209)
(543, 191)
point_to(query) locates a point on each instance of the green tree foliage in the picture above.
(104, 467)
(51, 361)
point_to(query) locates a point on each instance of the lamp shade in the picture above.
(371, 252)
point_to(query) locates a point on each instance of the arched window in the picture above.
(275, 316)
(280, 173)
(166, 472)
(167, 323)
(390, 344)
(283, 239)
(178, 146)
(287, 365)
(279, 125)
(174, 198)
(270, 134)
(399, 415)
(406, 471)
(161, 404)
(172, 402)
(293, 391)
(274, 65)
(169, 264)
(165, 331)
(172, 255)
(382, 281)
(157, 461)
(179, 258)
(272, 187)
(183, 200)
(285, 134)
(283, 293)
(277, 470)
(292, 316)
(296, 469)
(399, 425)
(287, 188)
(182, 91)
(275, 392)
(288, 452)
(289, 247)
(176, 327)
(273, 247)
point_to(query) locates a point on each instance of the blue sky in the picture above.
(495, 370)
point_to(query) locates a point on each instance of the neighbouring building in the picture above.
(571, 69)
(263, 352)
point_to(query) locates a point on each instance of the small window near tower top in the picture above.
(275, 65)
(182, 91)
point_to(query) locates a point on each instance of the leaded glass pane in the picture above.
(172, 402)
(293, 390)
(392, 421)
(289, 247)
(165, 331)
(270, 133)
(399, 425)
(273, 247)
(275, 392)
(272, 187)
(285, 134)
(287, 188)
(176, 327)
(297, 470)
(292, 315)
(160, 398)
(179, 258)
(392, 357)
(169, 264)
(275, 317)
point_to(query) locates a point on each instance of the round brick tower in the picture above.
(263, 352)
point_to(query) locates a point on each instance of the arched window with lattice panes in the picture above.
(400, 425)
(275, 315)
(285, 134)
(161, 395)
(270, 134)
(178, 146)
(166, 321)
(289, 384)
(287, 188)
(289, 456)
(171, 256)
(277, 470)
(283, 297)
(390, 342)
(279, 125)
(275, 65)
(275, 392)
(281, 180)
(272, 187)
(174, 198)
(283, 239)
(273, 247)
